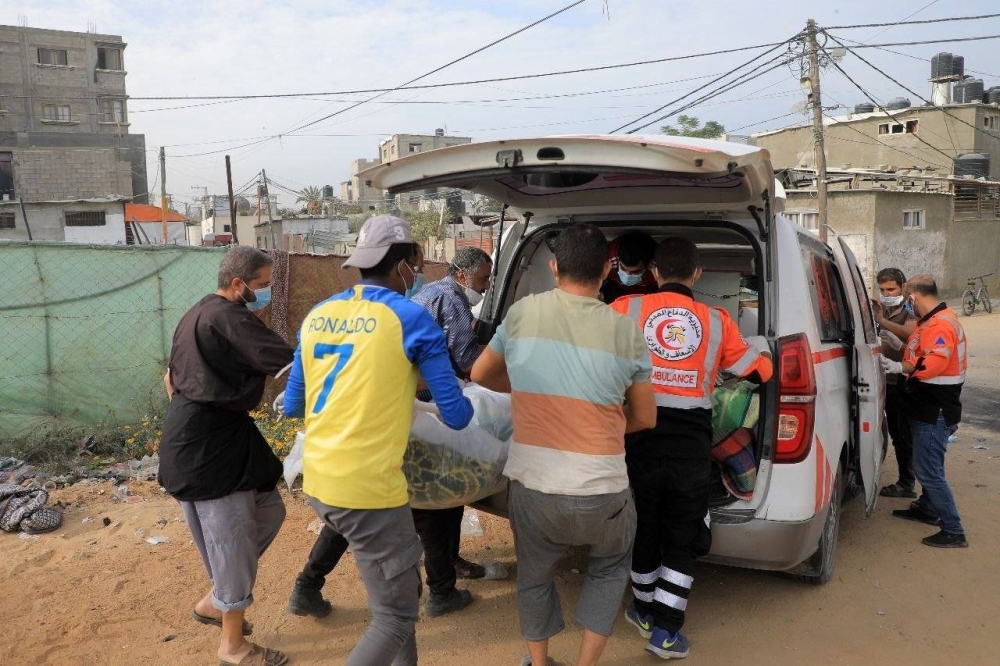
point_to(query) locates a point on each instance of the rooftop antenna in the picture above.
(22, 20)
(92, 27)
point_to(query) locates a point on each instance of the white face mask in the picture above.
(474, 296)
(891, 301)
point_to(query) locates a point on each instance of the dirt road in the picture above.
(91, 594)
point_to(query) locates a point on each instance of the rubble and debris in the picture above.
(106, 521)
(316, 526)
(157, 540)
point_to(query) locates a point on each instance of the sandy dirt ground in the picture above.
(90, 594)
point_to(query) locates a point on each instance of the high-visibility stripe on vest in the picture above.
(939, 341)
(688, 343)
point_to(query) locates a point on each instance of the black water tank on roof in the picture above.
(976, 165)
(992, 95)
(968, 91)
(864, 107)
(942, 66)
(898, 103)
(958, 65)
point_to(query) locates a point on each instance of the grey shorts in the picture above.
(545, 526)
(231, 533)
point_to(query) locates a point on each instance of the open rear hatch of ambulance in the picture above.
(567, 175)
(552, 181)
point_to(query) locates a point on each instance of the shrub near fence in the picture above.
(86, 330)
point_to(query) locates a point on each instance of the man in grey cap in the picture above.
(354, 379)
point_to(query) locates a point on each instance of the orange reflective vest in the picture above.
(688, 343)
(938, 349)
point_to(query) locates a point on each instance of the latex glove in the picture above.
(279, 404)
(891, 367)
(890, 340)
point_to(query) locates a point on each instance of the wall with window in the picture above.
(93, 223)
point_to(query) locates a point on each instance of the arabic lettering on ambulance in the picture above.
(673, 334)
(338, 325)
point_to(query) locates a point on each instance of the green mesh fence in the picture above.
(85, 330)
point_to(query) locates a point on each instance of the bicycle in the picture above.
(973, 297)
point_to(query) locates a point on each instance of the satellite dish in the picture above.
(837, 54)
(801, 107)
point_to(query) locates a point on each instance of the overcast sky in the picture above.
(210, 47)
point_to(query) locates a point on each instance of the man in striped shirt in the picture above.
(578, 374)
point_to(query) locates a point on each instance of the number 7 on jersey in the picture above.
(321, 351)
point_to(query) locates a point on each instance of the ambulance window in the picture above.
(867, 318)
(827, 292)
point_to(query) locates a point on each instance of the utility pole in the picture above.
(232, 201)
(163, 192)
(267, 202)
(819, 149)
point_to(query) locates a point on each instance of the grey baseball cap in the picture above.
(377, 235)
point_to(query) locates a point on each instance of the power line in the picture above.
(905, 22)
(451, 84)
(699, 89)
(718, 91)
(914, 57)
(905, 18)
(449, 64)
(761, 122)
(721, 91)
(950, 40)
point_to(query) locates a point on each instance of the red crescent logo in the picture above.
(659, 333)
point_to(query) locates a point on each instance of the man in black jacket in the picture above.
(213, 460)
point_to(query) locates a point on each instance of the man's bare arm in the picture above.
(168, 385)
(490, 371)
(640, 407)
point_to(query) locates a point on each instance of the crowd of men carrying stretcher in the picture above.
(610, 376)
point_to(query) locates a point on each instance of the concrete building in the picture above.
(355, 191)
(922, 137)
(216, 223)
(401, 145)
(64, 129)
(294, 233)
(946, 226)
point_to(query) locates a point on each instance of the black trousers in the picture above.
(325, 554)
(672, 532)
(440, 532)
(899, 432)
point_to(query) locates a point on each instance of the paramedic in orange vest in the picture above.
(934, 364)
(669, 466)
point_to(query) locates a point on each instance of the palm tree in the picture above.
(313, 198)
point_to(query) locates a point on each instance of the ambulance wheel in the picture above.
(818, 569)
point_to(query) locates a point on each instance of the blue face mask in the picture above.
(263, 297)
(418, 284)
(629, 280)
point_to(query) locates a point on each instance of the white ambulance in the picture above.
(821, 434)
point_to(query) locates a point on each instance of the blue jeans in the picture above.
(930, 442)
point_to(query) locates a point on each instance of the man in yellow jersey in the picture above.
(354, 380)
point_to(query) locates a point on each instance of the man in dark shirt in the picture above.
(631, 255)
(213, 460)
(450, 300)
(896, 322)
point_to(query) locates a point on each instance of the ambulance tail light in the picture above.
(796, 398)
